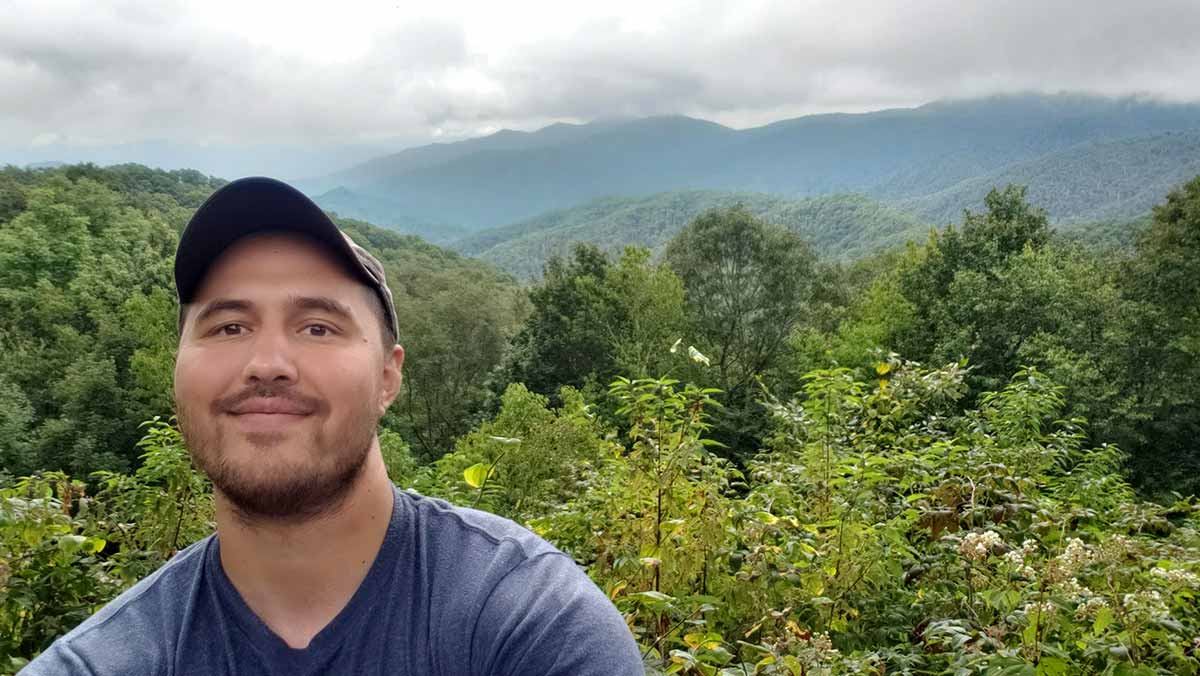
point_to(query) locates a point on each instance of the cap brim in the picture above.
(245, 207)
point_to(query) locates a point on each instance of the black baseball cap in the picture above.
(259, 204)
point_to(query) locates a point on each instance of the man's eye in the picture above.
(231, 330)
(318, 330)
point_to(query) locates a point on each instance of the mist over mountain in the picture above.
(933, 160)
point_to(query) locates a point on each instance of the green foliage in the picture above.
(65, 553)
(50, 577)
(456, 319)
(884, 532)
(1163, 366)
(593, 318)
(884, 518)
(748, 285)
(523, 463)
(401, 464)
(73, 266)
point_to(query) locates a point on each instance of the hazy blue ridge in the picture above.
(891, 155)
(384, 213)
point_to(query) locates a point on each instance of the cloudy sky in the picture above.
(352, 76)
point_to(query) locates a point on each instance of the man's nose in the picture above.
(270, 358)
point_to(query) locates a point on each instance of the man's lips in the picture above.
(270, 406)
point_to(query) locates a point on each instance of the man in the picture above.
(287, 360)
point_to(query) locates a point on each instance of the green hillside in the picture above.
(1096, 181)
(838, 226)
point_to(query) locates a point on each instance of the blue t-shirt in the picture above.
(452, 592)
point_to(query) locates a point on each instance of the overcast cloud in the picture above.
(220, 73)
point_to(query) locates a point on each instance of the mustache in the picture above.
(267, 391)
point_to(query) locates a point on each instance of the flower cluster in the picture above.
(1043, 609)
(1114, 549)
(820, 649)
(1177, 576)
(977, 546)
(1089, 608)
(1148, 603)
(1070, 562)
(1016, 559)
(1071, 589)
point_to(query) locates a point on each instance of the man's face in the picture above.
(281, 379)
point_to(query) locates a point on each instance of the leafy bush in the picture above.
(65, 553)
(881, 532)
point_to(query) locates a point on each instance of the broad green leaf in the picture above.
(1103, 619)
(477, 474)
(1052, 666)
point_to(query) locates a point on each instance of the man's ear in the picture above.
(393, 365)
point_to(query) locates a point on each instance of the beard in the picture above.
(270, 487)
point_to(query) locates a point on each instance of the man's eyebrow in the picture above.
(222, 305)
(323, 303)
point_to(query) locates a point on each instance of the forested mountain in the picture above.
(890, 155)
(839, 226)
(1106, 180)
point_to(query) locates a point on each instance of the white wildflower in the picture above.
(1043, 609)
(1089, 608)
(823, 647)
(1145, 602)
(1176, 576)
(977, 546)
(1015, 558)
(1071, 588)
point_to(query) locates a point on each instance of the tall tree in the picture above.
(1164, 364)
(748, 284)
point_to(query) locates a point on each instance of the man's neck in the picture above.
(298, 577)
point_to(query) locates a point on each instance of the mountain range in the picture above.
(1089, 157)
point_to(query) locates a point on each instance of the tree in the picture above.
(565, 340)
(1164, 363)
(748, 285)
(593, 319)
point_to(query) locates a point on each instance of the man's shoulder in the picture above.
(463, 526)
(131, 634)
(523, 606)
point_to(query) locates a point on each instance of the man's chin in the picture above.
(284, 492)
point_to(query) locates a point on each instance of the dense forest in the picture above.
(838, 227)
(975, 453)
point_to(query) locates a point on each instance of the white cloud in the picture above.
(226, 71)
